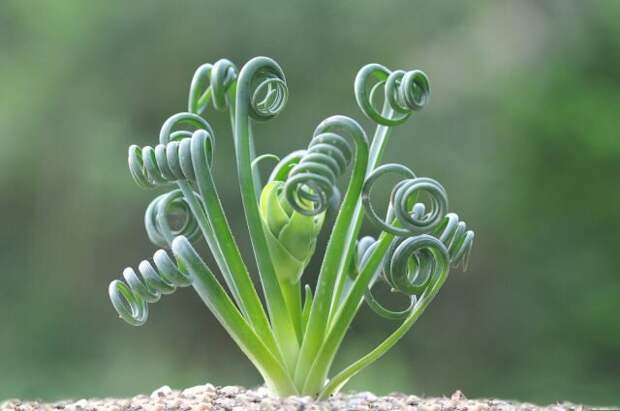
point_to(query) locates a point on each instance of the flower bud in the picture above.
(291, 236)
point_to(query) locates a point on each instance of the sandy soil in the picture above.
(208, 397)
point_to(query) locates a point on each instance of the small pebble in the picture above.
(161, 392)
(193, 391)
(234, 398)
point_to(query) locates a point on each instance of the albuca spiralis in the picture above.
(293, 336)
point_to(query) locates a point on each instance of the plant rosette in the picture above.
(293, 333)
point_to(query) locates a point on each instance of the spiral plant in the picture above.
(293, 337)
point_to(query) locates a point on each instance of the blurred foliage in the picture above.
(522, 130)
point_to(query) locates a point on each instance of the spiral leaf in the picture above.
(404, 92)
(211, 82)
(457, 238)
(423, 254)
(261, 95)
(157, 219)
(269, 97)
(411, 267)
(281, 171)
(311, 184)
(410, 214)
(264, 88)
(364, 248)
(131, 296)
(168, 162)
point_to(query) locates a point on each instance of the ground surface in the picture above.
(208, 397)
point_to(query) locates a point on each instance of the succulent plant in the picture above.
(293, 337)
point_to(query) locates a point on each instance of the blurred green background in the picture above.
(522, 130)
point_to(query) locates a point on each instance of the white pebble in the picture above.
(230, 390)
(194, 391)
(161, 392)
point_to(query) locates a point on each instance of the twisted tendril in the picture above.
(170, 160)
(333, 263)
(172, 129)
(311, 183)
(157, 216)
(283, 168)
(166, 163)
(269, 97)
(363, 249)
(416, 264)
(423, 256)
(261, 95)
(131, 297)
(269, 92)
(187, 160)
(211, 82)
(404, 92)
(410, 214)
(409, 279)
(457, 238)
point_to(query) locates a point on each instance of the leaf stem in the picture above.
(226, 243)
(324, 357)
(377, 148)
(280, 317)
(333, 260)
(218, 301)
(427, 297)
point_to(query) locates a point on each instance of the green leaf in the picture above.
(291, 236)
(271, 209)
(299, 235)
(288, 268)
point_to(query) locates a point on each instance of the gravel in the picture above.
(209, 397)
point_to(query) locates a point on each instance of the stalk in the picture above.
(281, 319)
(333, 261)
(242, 283)
(441, 256)
(377, 148)
(218, 301)
(322, 361)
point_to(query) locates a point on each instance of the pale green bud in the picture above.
(291, 236)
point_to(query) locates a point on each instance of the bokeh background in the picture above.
(522, 129)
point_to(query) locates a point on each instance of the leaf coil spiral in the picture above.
(211, 82)
(131, 295)
(457, 238)
(411, 215)
(311, 183)
(157, 219)
(168, 162)
(314, 177)
(262, 88)
(412, 266)
(404, 93)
